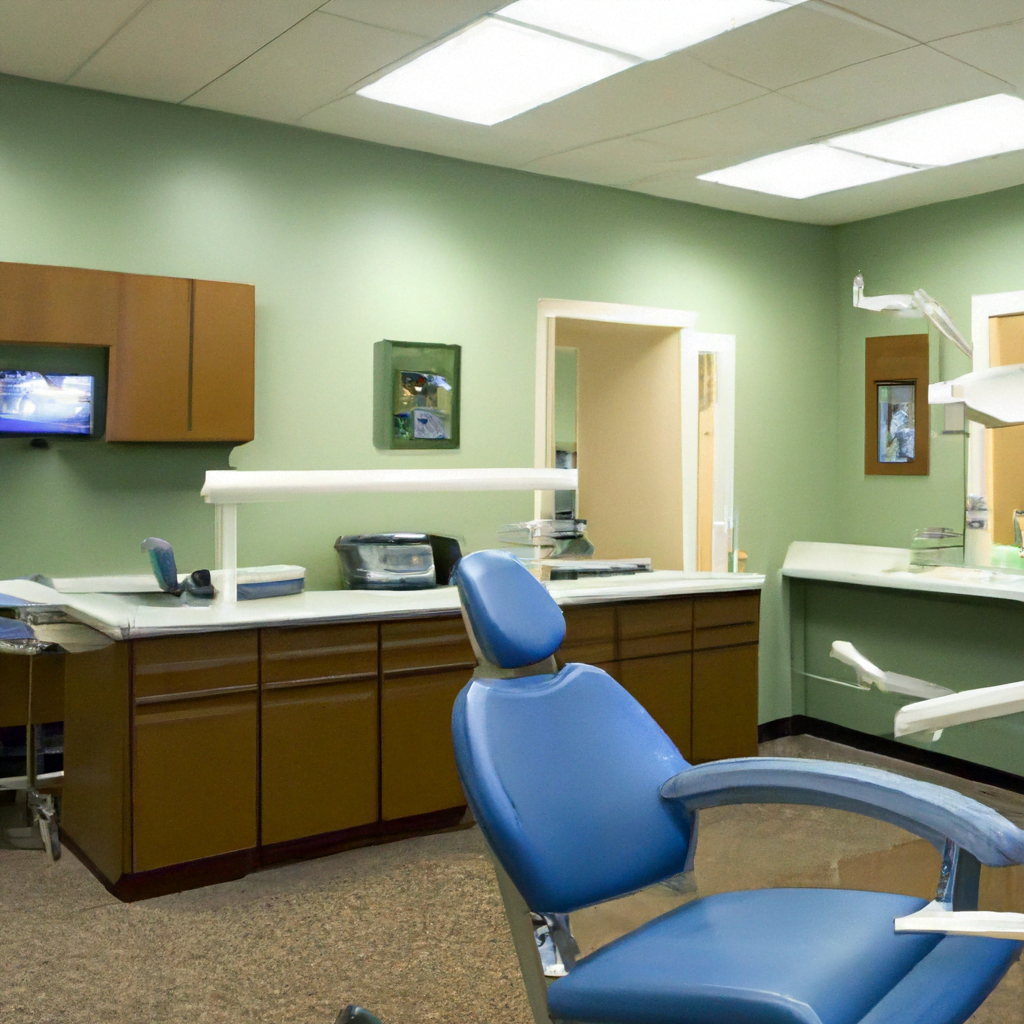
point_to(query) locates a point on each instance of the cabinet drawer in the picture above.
(589, 635)
(318, 759)
(167, 667)
(47, 689)
(318, 654)
(639, 619)
(194, 779)
(418, 773)
(410, 646)
(725, 621)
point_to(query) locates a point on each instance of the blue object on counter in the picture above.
(161, 558)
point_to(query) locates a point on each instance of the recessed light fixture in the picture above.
(806, 171)
(938, 138)
(494, 70)
(533, 51)
(949, 135)
(645, 28)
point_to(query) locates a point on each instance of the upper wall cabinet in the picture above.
(182, 352)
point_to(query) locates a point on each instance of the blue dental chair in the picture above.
(582, 798)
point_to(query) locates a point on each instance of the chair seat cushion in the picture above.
(769, 956)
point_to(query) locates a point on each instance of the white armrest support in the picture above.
(988, 923)
(960, 708)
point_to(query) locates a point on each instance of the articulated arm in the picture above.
(932, 812)
(960, 708)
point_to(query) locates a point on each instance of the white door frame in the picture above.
(691, 343)
(982, 308)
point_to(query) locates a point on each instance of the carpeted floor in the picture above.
(414, 930)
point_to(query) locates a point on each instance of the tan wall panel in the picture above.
(223, 361)
(194, 779)
(1006, 486)
(629, 438)
(147, 390)
(318, 759)
(318, 652)
(95, 809)
(418, 772)
(199, 661)
(725, 703)
(662, 686)
(59, 305)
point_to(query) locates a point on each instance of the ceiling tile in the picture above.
(48, 39)
(999, 51)
(644, 97)
(762, 125)
(362, 118)
(311, 64)
(615, 162)
(798, 44)
(933, 19)
(893, 86)
(431, 20)
(175, 47)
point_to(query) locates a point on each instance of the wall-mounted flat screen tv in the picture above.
(45, 403)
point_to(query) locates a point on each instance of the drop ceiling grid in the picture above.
(820, 68)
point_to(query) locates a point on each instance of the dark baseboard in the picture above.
(804, 725)
(143, 885)
(363, 835)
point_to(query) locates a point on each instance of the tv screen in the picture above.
(45, 403)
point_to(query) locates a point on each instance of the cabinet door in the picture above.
(223, 361)
(57, 305)
(725, 703)
(319, 750)
(662, 685)
(194, 747)
(147, 389)
(425, 663)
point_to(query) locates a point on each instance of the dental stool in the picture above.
(583, 798)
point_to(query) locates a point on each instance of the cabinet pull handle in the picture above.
(352, 677)
(217, 691)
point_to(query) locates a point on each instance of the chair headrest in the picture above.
(514, 620)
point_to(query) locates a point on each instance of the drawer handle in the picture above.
(217, 691)
(289, 684)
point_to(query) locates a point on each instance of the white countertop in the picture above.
(890, 568)
(122, 616)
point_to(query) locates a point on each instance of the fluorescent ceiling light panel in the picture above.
(645, 28)
(806, 171)
(493, 71)
(950, 135)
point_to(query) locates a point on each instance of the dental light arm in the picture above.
(960, 708)
(920, 304)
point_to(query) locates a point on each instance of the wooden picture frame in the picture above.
(897, 428)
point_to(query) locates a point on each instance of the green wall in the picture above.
(347, 243)
(952, 250)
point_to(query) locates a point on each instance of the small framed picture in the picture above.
(896, 423)
(416, 395)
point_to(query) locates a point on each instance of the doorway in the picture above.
(644, 407)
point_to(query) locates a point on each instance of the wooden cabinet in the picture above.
(318, 740)
(424, 665)
(193, 748)
(590, 637)
(181, 351)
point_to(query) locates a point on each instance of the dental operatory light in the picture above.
(938, 138)
(805, 171)
(533, 51)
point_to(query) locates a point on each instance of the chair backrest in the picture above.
(562, 771)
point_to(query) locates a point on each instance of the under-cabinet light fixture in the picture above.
(938, 138)
(805, 171)
(534, 51)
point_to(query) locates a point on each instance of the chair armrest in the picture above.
(960, 708)
(988, 923)
(932, 812)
